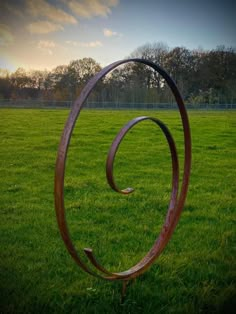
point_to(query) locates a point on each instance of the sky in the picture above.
(42, 34)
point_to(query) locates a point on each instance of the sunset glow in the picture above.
(40, 34)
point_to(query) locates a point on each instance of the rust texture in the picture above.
(177, 197)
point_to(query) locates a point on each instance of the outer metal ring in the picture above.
(176, 201)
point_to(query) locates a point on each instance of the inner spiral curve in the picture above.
(115, 145)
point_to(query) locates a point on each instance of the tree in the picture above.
(202, 76)
(79, 72)
(5, 84)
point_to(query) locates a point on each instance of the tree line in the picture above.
(203, 76)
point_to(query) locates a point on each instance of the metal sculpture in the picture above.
(177, 198)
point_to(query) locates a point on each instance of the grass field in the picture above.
(196, 273)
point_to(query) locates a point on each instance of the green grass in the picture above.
(196, 271)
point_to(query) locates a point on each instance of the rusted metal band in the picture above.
(116, 143)
(176, 202)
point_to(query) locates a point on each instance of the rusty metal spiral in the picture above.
(177, 198)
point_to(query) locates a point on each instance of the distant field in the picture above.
(196, 273)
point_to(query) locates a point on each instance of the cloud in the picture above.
(91, 44)
(90, 8)
(109, 33)
(43, 27)
(42, 8)
(6, 37)
(13, 9)
(46, 46)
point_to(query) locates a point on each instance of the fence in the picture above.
(53, 104)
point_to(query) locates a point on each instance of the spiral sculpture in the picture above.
(177, 197)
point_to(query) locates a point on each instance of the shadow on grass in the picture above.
(153, 292)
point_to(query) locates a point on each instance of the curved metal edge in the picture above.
(116, 143)
(112, 153)
(94, 261)
(62, 154)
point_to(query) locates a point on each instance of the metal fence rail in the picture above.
(53, 104)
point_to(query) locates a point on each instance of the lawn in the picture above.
(196, 273)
